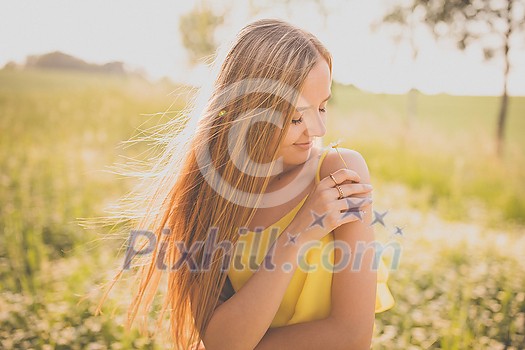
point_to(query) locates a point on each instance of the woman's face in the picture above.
(310, 120)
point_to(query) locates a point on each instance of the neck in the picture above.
(289, 169)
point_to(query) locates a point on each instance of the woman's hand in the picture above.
(323, 211)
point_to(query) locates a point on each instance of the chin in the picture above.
(297, 157)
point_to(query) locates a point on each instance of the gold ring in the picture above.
(341, 194)
(333, 178)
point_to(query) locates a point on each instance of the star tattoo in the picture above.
(318, 219)
(378, 217)
(353, 210)
(292, 239)
(399, 231)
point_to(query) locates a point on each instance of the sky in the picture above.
(146, 35)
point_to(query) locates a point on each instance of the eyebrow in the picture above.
(300, 109)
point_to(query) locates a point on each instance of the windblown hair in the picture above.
(213, 170)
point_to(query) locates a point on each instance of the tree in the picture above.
(493, 24)
(198, 26)
(197, 29)
(402, 23)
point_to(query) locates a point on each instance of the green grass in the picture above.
(61, 130)
(446, 150)
(460, 296)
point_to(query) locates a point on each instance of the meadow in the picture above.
(461, 277)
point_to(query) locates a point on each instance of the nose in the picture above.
(316, 127)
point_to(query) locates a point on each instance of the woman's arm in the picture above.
(241, 321)
(350, 324)
(354, 287)
(327, 333)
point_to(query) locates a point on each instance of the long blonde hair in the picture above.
(188, 188)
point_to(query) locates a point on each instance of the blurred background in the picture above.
(431, 93)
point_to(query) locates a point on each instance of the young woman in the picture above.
(256, 221)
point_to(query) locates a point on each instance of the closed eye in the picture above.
(297, 121)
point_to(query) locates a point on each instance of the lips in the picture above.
(304, 145)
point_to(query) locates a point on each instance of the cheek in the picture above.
(292, 135)
(273, 142)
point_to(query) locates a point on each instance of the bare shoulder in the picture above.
(353, 159)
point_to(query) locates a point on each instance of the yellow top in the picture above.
(308, 296)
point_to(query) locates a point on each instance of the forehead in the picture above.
(317, 84)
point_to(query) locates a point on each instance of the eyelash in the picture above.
(300, 120)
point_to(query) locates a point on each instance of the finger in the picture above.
(350, 216)
(354, 190)
(343, 175)
(354, 214)
(352, 203)
(340, 176)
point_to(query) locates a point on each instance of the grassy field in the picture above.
(460, 282)
(445, 151)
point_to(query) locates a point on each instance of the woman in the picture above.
(248, 222)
